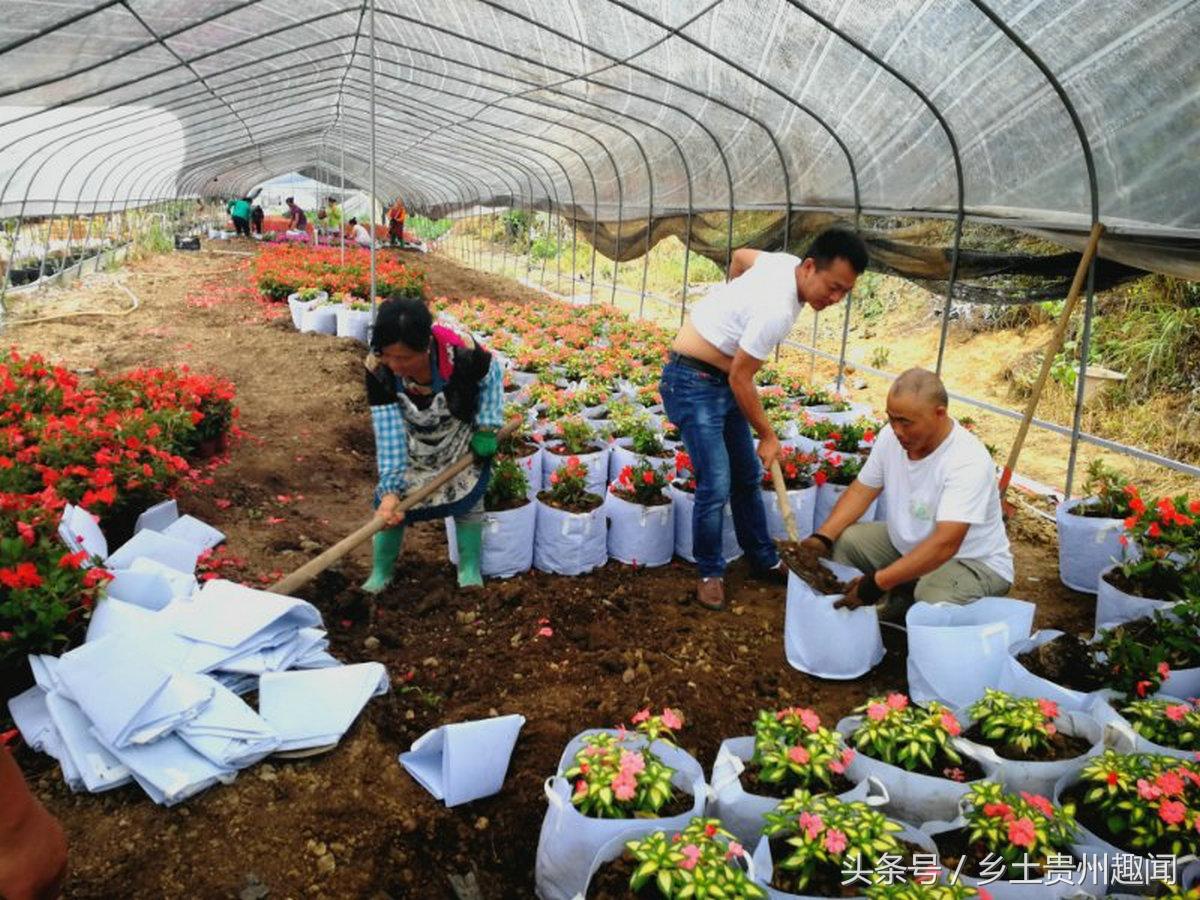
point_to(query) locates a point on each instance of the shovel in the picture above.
(315, 567)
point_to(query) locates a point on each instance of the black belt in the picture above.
(698, 364)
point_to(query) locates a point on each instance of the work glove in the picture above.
(860, 592)
(484, 444)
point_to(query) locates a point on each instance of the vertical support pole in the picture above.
(687, 255)
(342, 236)
(371, 216)
(1084, 349)
(845, 337)
(812, 366)
(645, 265)
(958, 225)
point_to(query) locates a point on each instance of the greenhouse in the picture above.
(734, 448)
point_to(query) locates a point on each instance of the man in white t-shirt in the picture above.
(708, 391)
(359, 233)
(944, 536)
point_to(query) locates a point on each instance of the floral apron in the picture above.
(436, 439)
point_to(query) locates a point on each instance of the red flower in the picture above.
(997, 810)
(1172, 811)
(1038, 802)
(1111, 778)
(26, 532)
(1021, 833)
(22, 575)
(72, 560)
(1154, 531)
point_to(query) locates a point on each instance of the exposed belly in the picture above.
(690, 343)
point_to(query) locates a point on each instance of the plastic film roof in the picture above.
(617, 109)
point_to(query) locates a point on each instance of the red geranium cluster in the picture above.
(283, 270)
(113, 445)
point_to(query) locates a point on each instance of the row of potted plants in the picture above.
(282, 270)
(800, 809)
(112, 445)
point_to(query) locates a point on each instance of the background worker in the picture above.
(396, 216)
(944, 539)
(256, 219)
(708, 390)
(297, 220)
(239, 211)
(359, 233)
(333, 215)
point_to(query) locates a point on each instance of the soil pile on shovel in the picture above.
(806, 566)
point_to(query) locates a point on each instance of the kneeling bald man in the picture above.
(944, 538)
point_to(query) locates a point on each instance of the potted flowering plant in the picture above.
(1009, 842)
(570, 536)
(683, 490)
(1029, 741)
(302, 300)
(1089, 527)
(524, 450)
(574, 438)
(1138, 803)
(649, 397)
(846, 437)
(614, 784)
(837, 472)
(915, 752)
(640, 442)
(701, 861)
(1168, 570)
(820, 846)
(917, 890)
(1139, 656)
(1159, 725)
(797, 468)
(641, 524)
(594, 397)
(353, 316)
(789, 749)
(509, 522)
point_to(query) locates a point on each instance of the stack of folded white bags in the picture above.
(152, 695)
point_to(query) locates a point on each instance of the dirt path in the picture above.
(301, 481)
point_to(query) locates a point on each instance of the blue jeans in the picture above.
(717, 438)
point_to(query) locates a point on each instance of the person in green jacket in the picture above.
(239, 211)
(333, 217)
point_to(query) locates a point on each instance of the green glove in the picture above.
(483, 444)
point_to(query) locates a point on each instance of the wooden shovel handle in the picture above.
(785, 508)
(319, 564)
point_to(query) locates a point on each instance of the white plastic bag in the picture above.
(567, 543)
(828, 642)
(569, 841)
(803, 503)
(912, 796)
(827, 497)
(299, 307)
(955, 651)
(684, 503)
(742, 812)
(640, 535)
(1038, 777)
(508, 537)
(353, 323)
(319, 319)
(1086, 546)
(596, 462)
(1016, 679)
(1114, 606)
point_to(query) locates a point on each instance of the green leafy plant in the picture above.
(1136, 662)
(880, 355)
(1168, 533)
(1147, 803)
(702, 861)
(793, 748)
(824, 832)
(1165, 722)
(1022, 723)
(1018, 828)
(839, 469)
(596, 394)
(575, 435)
(508, 486)
(568, 486)
(616, 777)
(645, 438)
(917, 890)
(1108, 493)
(642, 483)
(844, 437)
(797, 468)
(896, 732)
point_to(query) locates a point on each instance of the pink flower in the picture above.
(1172, 812)
(1049, 708)
(1040, 803)
(1176, 712)
(581, 787)
(623, 786)
(641, 716)
(1170, 784)
(835, 841)
(951, 724)
(1051, 728)
(672, 719)
(1164, 671)
(877, 712)
(691, 856)
(838, 766)
(1021, 832)
(545, 631)
(897, 701)
(735, 850)
(955, 774)
(632, 763)
(799, 755)
(811, 824)
(1147, 791)
(810, 719)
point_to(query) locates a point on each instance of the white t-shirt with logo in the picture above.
(955, 483)
(755, 311)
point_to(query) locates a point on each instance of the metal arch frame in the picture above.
(953, 141)
(1094, 196)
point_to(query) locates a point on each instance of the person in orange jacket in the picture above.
(396, 216)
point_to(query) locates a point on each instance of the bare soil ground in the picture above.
(352, 823)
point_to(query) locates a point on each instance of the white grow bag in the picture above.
(567, 543)
(532, 466)
(955, 651)
(742, 812)
(803, 502)
(508, 536)
(353, 323)
(596, 462)
(828, 495)
(299, 307)
(1114, 606)
(319, 319)
(1122, 736)
(1086, 547)
(853, 414)
(640, 535)
(623, 456)
(570, 841)
(828, 642)
(1016, 679)
(684, 503)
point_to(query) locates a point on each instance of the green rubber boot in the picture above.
(470, 546)
(386, 547)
